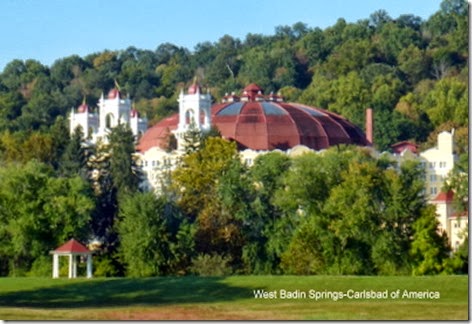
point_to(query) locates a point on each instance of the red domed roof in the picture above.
(266, 125)
(82, 108)
(113, 93)
(157, 135)
(193, 89)
(252, 88)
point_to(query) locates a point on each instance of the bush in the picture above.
(104, 267)
(211, 265)
(42, 267)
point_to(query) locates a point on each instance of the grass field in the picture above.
(232, 298)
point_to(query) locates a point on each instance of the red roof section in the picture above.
(444, 196)
(157, 136)
(72, 246)
(401, 146)
(113, 93)
(268, 125)
(82, 108)
(459, 214)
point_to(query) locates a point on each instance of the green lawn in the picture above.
(232, 298)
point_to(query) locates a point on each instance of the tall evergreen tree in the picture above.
(123, 167)
(74, 159)
(192, 139)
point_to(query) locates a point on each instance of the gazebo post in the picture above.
(71, 261)
(89, 265)
(74, 267)
(55, 266)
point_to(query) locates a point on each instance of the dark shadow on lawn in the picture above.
(97, 293)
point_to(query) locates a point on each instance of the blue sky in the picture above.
(47, 30)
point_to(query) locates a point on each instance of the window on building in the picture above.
(108, 120)
(432, 178)
(153, 163)
(433, 190)
(145, 163)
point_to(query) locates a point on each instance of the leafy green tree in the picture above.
(354, 212)
(38, 146)
(414, 63)
(39, 212)
(304, 254)
(404, 202)
(351, 55)
(10, 109)
(148, 241)
(447, 101)
(194, 181)
(458, 182)
(459, 262)
(429, 249)
(220, 223)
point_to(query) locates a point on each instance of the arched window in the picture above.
(189, 116)
(109, 120)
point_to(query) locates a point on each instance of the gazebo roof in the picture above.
(72, 246)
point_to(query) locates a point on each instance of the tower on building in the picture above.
(194, 112)
(113, 110)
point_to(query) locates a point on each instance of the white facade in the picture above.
(458, 225)
(438, 162)
(194, 110)
(112, 111)
(156, 163)
(453, 223)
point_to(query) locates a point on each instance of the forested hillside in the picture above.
(216, 216)
(414, 73)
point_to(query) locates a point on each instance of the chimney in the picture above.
(369, 126)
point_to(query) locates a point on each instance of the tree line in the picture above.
(340, 212)
(412, 72)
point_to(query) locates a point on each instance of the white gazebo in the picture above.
(72, 249)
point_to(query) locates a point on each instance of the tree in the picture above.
(194, 181)
(105, 194)
(192, 138)
(10, 109)
(123, 167)
(414, 63)
(354, 213)
(447, 101)
(458, 182)
(220, 223)
(38, 212)
(74, 159)
(404, 202)
(59, 132)
(429, 249)
(148, 229)
(459, 262)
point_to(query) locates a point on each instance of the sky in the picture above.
(47, 30)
